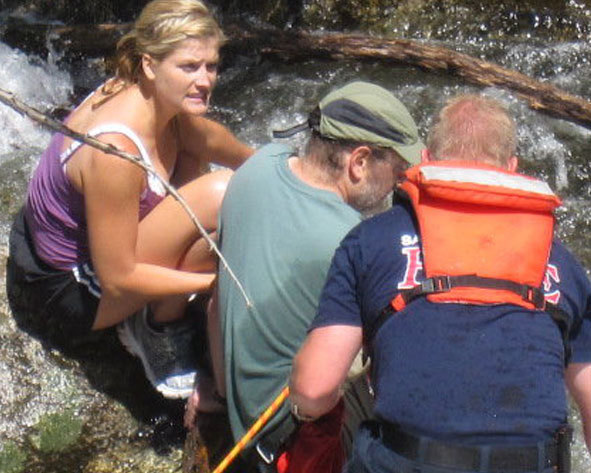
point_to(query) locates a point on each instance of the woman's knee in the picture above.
(204, 197)
(212, 185)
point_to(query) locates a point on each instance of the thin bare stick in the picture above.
(9, 99)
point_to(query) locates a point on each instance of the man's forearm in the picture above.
(307, 408)
(320, 368)
(578, 380)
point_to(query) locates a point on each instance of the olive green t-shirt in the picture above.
(278, 234)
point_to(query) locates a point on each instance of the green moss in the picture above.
(12, 458)
(56, 432)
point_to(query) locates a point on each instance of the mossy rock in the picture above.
(12, 458)
(56, 432)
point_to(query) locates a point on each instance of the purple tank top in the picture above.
(55, 209)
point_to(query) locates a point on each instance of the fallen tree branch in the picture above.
(296, 46)
(9, 99)
(301, 45)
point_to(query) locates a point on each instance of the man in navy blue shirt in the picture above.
(469, 311)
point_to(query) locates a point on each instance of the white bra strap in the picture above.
(153, 182)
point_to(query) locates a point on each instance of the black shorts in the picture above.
(46, 301)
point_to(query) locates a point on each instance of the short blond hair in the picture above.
(473, 128)
(161, 26)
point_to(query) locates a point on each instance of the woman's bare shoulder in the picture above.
(100, 109)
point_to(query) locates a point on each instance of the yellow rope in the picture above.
(254, 429)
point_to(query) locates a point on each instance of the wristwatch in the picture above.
(295, 410)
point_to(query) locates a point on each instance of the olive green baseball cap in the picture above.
(366, 113)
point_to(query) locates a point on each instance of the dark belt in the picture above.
(464, 457)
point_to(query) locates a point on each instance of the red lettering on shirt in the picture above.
(550, 277)
(413, 265)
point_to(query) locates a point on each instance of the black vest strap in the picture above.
(562, 319)
(439, 284)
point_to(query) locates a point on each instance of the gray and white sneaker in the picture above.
(168, 356)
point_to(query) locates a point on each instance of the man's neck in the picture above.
(315, 176)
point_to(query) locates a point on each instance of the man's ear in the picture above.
(426, 156)
(512, 163)
(358, 163)
(148, 66)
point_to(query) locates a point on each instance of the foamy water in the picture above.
(41, 85)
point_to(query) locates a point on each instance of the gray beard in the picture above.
(372, 202)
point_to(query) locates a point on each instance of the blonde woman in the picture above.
(98, 240)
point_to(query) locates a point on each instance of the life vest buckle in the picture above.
(533, 295)
(436, 284)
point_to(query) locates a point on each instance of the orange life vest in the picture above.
(486, 233)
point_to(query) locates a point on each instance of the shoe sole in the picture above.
(131, 345)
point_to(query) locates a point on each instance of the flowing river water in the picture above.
(93, 412)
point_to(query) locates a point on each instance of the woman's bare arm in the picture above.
(208, 141)
(111, 190)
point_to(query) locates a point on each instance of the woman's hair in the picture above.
(473, 128)
(161, 26)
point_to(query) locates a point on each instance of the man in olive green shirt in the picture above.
(281, 220)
